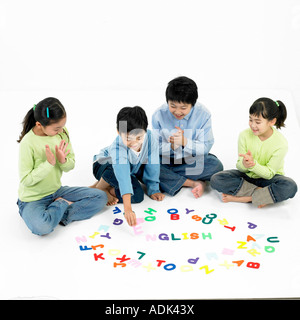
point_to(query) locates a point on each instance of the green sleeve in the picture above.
(269, 170)
(242, 148)
(29, 175)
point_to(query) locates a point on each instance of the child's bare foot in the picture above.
(231, 198)
(69, 202)
(262, 206)
(198, 189)
(108, 189)
(111, 200)
(111, 196)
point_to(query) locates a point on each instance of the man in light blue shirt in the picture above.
(183, 127)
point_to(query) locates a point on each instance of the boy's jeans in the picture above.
(277, 189)
(106, 172)
(43, 215)
(172, 176)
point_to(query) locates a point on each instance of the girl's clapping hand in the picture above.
(61, 153)
(50, 156)
(248, 160)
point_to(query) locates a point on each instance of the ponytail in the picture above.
(28, 124)
(270, 109)
(46, 112)
(282, 114)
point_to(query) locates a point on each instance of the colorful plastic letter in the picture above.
(253, 265)
(193, 261)
(251, 225)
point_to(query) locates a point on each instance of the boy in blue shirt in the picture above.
(183, 127)
(133, 156)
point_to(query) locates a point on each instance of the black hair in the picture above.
(47, 111)
(133, 118)
(270, 109)
(182, 89)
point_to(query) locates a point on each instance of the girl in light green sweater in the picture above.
(260, 176)
(45, 153)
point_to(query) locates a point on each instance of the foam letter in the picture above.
(106, 236)
(119, 264)
(194, 236)
(188, 211)
(149, 237)
(149, 267)
(226, 264)
(249, 238)
(241, 246)
(173, 237)
(251, 225)
(160, 262)
(185, 236)
(209, 218)
(141, 253)
(269, 249)
(231, 228)
(253, 252)
(239, 262)
(114, 252)
(227, 251)
(172, 211)
(98, 246)
(186, 268)
(123, 259)
(150, 211)
(116, 210)
(84, 248)
(206, 269)
(254, 265)
(81, 239)
(193, 261)
(204, 236)
(118, 222)
(223, 222)
(98, 256)
(175, 216)
(170, 267)
(270, 239)
(211, 255)
(197, 218)
(163, 236)
(137, 230)
(150, 218)
(104, 228)
(94, 235)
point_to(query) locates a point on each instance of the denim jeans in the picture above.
(106, 172)
(230, 182)
(172, 176)
(43, 215)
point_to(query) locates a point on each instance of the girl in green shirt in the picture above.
(45, 153)
(260, 176)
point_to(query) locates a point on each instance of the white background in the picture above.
(137, 44)
(99, 56)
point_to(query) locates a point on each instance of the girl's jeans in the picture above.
(43, 215)
(279, 187)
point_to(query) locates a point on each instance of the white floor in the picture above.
(54, 267)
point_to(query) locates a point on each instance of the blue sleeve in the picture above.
(121, 166)
(162, 134)
(152, 167)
